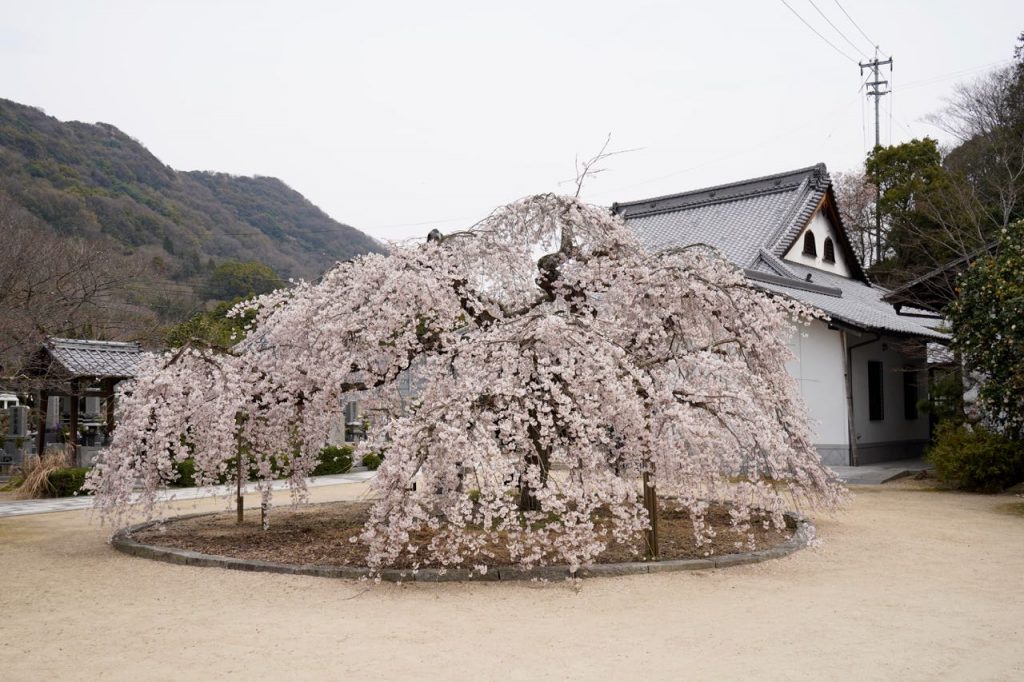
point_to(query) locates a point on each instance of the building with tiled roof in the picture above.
(864, 370)
(76, 379)
(83, 358)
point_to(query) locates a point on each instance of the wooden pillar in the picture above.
(43, 406)
(109, 385)
(73, 426)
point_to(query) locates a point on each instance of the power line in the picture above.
(857, 26)
(953, 74)
(829, 42)
(799, 129)
(841, 34)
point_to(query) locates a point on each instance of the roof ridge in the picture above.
(775, 263)
(93, 342)
(799, 172)
(805, 192)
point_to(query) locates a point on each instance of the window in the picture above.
(876, 410)
(830, 251)
(909, 393)
(810, 247)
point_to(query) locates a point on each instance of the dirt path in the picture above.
(908, 585)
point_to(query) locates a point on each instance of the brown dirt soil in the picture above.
(322, 534)
(905, 585)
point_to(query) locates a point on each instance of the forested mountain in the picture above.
(95, 182)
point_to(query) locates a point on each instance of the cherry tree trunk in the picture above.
(541, 457)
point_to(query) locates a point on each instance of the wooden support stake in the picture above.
(110, 383)
(239, 500)
(651, 505)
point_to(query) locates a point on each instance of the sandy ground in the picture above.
(908, 585)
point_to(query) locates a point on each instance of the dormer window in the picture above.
(830, 251)
(810, 246)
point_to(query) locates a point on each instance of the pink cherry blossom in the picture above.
(551, 385)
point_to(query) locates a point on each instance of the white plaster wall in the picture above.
(822, 227)
(895, 426)
(818, 367)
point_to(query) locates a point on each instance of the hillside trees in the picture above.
(566, 390)
(93, 181)
(232, 280)
(53, 285)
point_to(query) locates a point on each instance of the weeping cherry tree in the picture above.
(566, 374)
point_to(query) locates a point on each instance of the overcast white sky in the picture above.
(396, 117)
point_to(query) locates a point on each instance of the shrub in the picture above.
(66, 481)
(186, 474)
(976, 459)
(35, 473)
(371, 461)
(474, 495)
(334, 459)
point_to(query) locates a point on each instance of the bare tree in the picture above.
(986, 116)
(856, 198)
(57, 286)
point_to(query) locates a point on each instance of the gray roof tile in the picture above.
(83, 358)
(860, 304)
(738, 228)
(753, 223)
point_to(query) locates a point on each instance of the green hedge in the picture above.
(66, 482)
(186, 474)
(372, 461)
(976, 459)
(334, 459)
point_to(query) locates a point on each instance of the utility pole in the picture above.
(875, 90)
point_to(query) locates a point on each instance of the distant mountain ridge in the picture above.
(94, 181)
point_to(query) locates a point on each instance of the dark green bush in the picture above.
(334, 459)
(186, 474)
(67, 481)
(371, 461)
(976, 459)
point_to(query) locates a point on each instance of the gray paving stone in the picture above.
(607, 570)
(552, 573)
(673, 565)
(48, 506)
(434, 575)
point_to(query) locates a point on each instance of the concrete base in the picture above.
(834, 455)
(124, 542)
(892, 451)
(872, 453)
